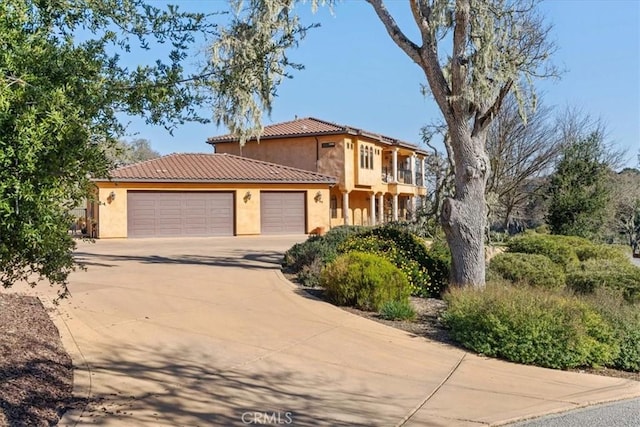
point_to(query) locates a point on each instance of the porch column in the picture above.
(381, 208)
(414, 207)
(394, 208)
(394, 161)
(345, 207)
(413, 169)
(424, 171)
(372, 209)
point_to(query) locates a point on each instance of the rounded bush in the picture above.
(600, 252)
(530, 269)
(597, 273)
(625, 320)
(364, 281)
(557, 248)
(530, 325)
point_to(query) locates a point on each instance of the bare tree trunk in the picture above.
(464, 216)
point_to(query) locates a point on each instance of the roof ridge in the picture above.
(326, 122)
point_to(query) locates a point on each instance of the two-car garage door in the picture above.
(165, 213)
(157, 214)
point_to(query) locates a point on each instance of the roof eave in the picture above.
(214, 141)
(215, 181)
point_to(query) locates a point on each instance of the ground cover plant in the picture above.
(530, 269)
(554, 301)
(532, 326)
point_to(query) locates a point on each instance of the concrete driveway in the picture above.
(200, 332)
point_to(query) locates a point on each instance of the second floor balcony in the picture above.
(404, 176)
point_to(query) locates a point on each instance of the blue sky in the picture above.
(355, 75)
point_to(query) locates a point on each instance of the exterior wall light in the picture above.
(247, 196)
(318, 197)
(112, 197)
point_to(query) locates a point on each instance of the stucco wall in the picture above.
(112, 215)
(300, 153)
(112, 212)
(318, 209)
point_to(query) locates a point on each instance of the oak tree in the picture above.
(495, 47)
(64, 91)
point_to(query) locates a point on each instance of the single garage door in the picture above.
(157, 214)
(282, 212)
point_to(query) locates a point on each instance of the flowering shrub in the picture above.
(427, 275)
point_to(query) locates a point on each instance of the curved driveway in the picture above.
(187, 332)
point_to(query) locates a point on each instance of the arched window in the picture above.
(362, 160)
(371, 158)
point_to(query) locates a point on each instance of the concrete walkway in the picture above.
(200, 332)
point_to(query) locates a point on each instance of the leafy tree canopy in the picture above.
(578, 190)
(61, 100)
(127, 152)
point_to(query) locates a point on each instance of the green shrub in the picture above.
(364, 280)
(427, 274)
(309, 275)
(530, 325)
(439, 266)
(305, 253)
(565, 250)
(597, 273)
(416, 275)
(625, 320)
(600, 252)
(529, 269)
(322, 248)
(556, 248)
(397, 310)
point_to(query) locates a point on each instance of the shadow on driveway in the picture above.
(268, 260)
(180, 387)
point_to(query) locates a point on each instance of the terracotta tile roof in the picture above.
(310, 126)
(195, 167)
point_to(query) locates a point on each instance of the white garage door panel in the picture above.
(156, 214)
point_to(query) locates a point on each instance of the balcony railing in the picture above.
(404, 176)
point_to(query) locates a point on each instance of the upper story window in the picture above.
(366, 157)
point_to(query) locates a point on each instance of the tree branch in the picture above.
(403, 42)
(482, 121)
(458, 62)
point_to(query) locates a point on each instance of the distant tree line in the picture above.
(555, 169)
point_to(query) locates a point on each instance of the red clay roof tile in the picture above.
(197, 167)
(310, 126)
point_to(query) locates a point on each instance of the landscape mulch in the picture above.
(36, 373)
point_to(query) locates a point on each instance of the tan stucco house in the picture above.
(209, 195)
(378, 178)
